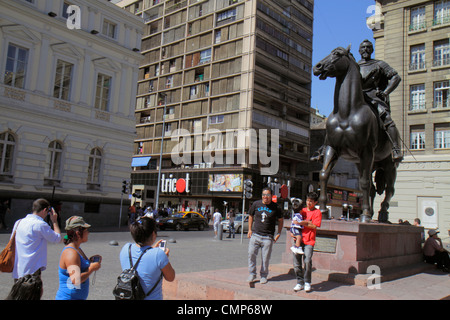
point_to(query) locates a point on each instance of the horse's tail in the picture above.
(380, 181)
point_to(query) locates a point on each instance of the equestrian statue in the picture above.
(360, 128)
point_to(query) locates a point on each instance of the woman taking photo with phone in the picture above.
(154, 264)
(74, 267)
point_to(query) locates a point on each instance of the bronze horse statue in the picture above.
(355, 133)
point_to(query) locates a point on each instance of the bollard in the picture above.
(220, 231)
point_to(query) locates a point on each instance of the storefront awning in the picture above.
(140, 161)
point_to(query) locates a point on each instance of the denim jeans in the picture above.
(265, 244)
(303, 275)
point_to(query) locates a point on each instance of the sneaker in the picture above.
(299, 250)
(307, 287)
(251, 278)
(293, 249)
(298, 287)
(263, 280)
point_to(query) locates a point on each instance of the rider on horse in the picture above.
(378, 81)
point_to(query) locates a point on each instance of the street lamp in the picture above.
(161, 150)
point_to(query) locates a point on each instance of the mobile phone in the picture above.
(162, 245)
(50, 210)
(96, 259)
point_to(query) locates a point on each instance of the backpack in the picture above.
(128, 285)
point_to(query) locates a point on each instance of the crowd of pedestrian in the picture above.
(265, 225)
(32, 234)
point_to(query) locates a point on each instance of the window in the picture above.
(109, 29)
(102, 92)
(417, 138)
(218, 36)
(441, 12)
(417, 97)
(216, 119)
(63, 75)
(418, 19)
(205, 56)
(16, 66)
(95, 161)
(7, 145)
(169, 81)
(417, 57)
(226, 16)
(442, 136)
(193, 92)
(53, 163)
(441, 53)
(441, 94)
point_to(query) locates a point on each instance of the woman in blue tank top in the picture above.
(74, 267)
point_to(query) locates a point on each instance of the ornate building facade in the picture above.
(413, 37)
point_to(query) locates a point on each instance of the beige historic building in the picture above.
(67, 94)
(413, 37)
(213, 67)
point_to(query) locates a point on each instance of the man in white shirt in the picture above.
(32, 236)
(217, 218)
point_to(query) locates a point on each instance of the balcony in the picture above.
(441, 20)
(418, 26)
(417, 66)
(440, 62)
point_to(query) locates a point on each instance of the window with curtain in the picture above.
(441, 12)
(417, 61)
(442, 136)
(418, 19)
(94, 169)
(417, 139)
(53, 162)
(63, 75)
(417, 97)
(16, 66)
(7, 145)
(102, 92)
(441, 53)
(441, 94)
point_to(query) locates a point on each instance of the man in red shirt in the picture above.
(312, 219)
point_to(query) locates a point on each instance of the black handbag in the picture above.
(128, 285)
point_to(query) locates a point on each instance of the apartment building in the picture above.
(213, 71)
(67, 94)
(413, 37)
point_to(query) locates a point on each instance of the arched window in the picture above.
(7, 145)
(95, 161)
(53, 163)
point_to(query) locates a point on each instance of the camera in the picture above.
(162, 245)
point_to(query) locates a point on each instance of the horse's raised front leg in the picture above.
(329, 161)
(365, 183)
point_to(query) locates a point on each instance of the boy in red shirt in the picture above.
(312, 219)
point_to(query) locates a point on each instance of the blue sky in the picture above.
(337, 23)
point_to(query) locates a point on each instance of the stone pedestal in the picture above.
(351, 247)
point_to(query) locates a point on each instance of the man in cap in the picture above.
(434, 251)
(32, 235)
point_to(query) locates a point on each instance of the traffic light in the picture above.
(125, 187)
(248, 188)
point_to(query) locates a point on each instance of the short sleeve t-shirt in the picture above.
(149, 268)
(265, 217)
(309, 234)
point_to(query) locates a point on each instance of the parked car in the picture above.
(237, 223)
(183, 220)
